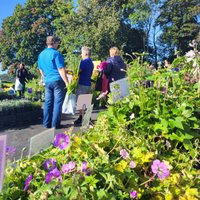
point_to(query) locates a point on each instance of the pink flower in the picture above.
(160, 169)
(133, 194)
(68, 167)
(132, 164)
(61, 141)
(84, 166)
(124, 154)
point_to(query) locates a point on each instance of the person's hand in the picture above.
(66, 85)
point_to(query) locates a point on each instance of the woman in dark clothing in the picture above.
(22, 75)
(116, 68)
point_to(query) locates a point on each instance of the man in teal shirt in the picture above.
(52, 69)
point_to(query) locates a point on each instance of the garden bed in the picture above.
(18, 113)
(145, 146)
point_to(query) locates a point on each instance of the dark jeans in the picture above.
(21, 92)
(54, 97)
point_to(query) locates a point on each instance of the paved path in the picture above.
(20, 137)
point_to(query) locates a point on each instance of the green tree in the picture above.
(178, 20)
(98, 24)
(143, 14)
(23, 34)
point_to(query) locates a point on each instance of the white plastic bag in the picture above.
(18, 85)
(69, 104)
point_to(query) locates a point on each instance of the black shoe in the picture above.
(59, 126)
(47, 127)
(78, 121)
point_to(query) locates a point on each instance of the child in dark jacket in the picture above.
(104, 90)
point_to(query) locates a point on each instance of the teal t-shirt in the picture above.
(49, 61)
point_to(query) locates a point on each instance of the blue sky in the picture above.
(6, 9)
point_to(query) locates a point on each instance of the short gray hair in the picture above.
(86, 50)
(52, 40)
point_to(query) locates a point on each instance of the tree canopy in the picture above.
(100, 24)
(179, 23)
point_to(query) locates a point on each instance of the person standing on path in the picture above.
(52, 69)
(22, 75)
(85, 72)
(116, 68)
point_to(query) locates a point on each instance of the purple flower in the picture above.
(55, 173)
(49, 177)
(10, 150)
(133, 194)
(84, 166)
(27, 182)
(61, 141)
(50, 164)
(124, 154)
(88, 172)
(160, 169)
(68, 167)
(132, 164)
(29, 90)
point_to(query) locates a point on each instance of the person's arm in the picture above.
(63, 75)
(42, 74)
(26, 75)
(108, 69)
(59, 60)
(81, 67)
(17, 73)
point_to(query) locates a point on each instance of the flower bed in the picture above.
(4, 95)
(145, 146)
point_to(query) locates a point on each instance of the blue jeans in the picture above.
(54, 97)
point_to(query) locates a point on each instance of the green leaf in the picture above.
(174, 136)
(187, 144)
(101, 194)
(176, 123)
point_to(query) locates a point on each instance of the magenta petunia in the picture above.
(50, 164)
(27, 182)
(160, 169)
(124, 154)
(133, 194)
(61, 141)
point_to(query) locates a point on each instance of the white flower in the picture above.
(132, 116)
(190, 54)
(193, 44)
